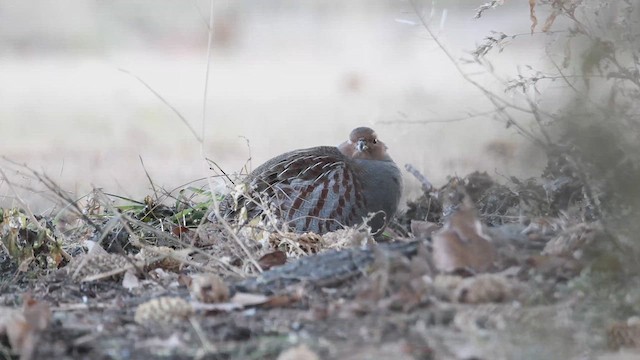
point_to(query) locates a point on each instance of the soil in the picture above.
(556, 288)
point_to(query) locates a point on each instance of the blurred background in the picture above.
(283, 75)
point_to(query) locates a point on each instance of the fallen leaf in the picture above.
(23, 328)
(178, 231)
(462, 243)
(14, 326)
(272, 259)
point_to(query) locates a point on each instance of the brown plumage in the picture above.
(324, 188)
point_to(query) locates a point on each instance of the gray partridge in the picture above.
(322, 189)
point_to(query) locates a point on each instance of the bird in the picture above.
(321, 189)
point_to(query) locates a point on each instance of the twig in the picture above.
(468, 117)
(175, 111)
(495, 99)
(146, 173)
(221, 170)
(33, 219)
(426, 185)
(206, 76)
(53, 187)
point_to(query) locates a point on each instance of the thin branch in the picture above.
(57, 191)
(490, 95)
(206, 76)
(468, 117)
(221, 170)
(175, 111)
(146, 173)
(214, 203)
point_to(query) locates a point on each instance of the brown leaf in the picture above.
(23, 328)
(178, 231)
(462, 243)
(37, 313)
(272, 259)
(14, 326)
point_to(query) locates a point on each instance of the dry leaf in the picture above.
(462, 244)
(14, 326)
(272, 259)
(178, 231)
(23, 328)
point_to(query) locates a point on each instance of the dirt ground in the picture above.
(157, 289)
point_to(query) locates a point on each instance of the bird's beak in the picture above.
(361, 145)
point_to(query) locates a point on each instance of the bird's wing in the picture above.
(312, 189)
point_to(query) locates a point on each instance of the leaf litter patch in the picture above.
(475, 268)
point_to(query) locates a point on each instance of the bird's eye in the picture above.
(375, 141)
